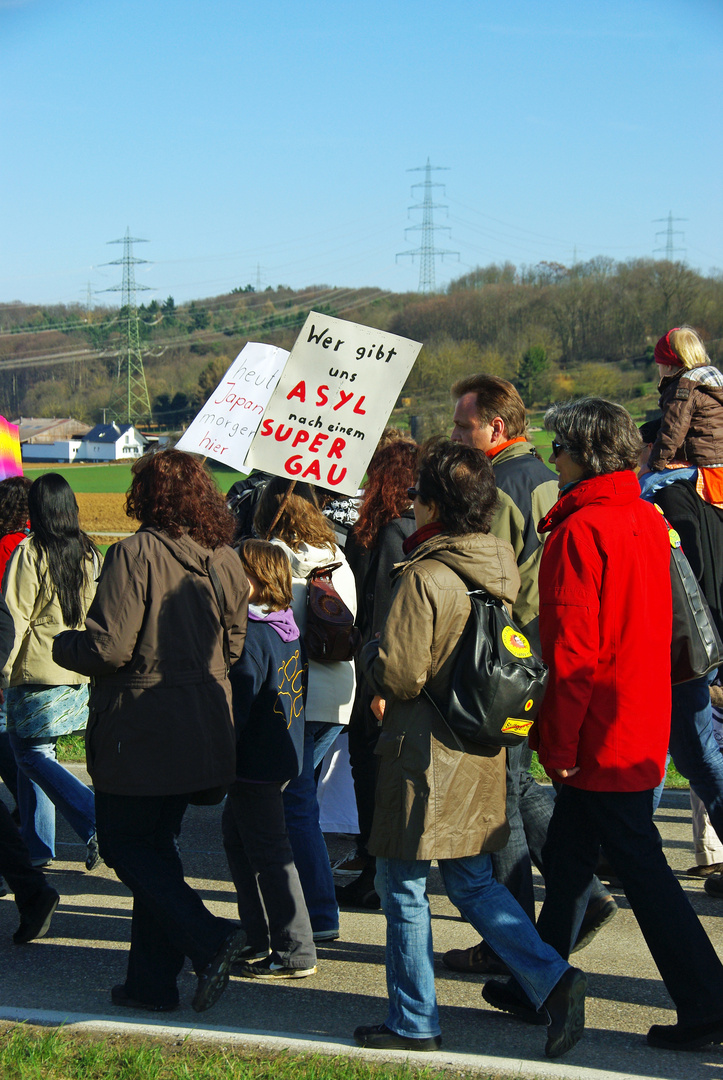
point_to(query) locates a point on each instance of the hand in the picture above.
(565, 773)
(377, 706)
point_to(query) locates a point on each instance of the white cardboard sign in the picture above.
(226, 424)
(331, 405)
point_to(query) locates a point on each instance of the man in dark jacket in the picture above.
(35, 899)
(490, 415)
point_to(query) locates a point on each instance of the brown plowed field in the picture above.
(104, 514)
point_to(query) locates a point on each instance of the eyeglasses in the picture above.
(558, 447)
(412, 494)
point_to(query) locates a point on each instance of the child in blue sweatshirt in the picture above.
(269, 690)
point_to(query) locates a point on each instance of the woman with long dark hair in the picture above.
(168, 620)
(49, 583)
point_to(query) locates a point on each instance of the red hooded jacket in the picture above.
(605, 627)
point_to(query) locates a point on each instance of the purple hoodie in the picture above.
(280, 621)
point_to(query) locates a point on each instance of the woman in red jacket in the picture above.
(605, 627)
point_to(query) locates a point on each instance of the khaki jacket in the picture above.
(433, 799)
(35, 609)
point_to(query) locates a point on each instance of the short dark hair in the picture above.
(14, 504)
(495, 397)
(269, 565)
(597, 434)
(460, 481)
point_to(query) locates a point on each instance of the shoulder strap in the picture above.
(221, 600)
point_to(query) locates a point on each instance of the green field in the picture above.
(116, 476)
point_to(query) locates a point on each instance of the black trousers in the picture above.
(622, 822)
(136, 836)
(23, 878)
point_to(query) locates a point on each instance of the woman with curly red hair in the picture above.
(168, 619)
(386, 519)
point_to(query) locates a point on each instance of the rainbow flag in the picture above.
(10, 460)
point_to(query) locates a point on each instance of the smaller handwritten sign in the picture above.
(324, 419)
(227, 423)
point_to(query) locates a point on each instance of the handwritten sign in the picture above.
(227, 423)
(332, 403)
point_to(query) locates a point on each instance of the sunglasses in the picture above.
(558, 447)
(412, 494)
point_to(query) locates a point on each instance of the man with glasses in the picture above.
(490, 415)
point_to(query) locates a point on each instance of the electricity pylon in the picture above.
(669, 233)
(427, 251)
(130, 401)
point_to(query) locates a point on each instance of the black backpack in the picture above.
(498, 682)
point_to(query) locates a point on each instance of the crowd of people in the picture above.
(183, 656)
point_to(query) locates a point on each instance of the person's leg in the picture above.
(258, 810)
(512, 865)
(682, 952)
(37, 814)
(325, 735)
(492, 910)
(250, 905)
(307, 841)
(8, 764)
(37, 759)
(570, 856)
(363, 736)
(694, 749)
(137, 840)
(707, 845)
(26, 882)
(402, 887)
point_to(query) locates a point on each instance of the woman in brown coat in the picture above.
(435, 798)
(168, 618)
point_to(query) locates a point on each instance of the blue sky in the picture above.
(274, 139)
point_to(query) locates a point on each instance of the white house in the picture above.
(111, 442)
(43, 439)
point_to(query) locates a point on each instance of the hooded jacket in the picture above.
(160, 701)
(433, 799)
(692, 426)
(605, 625)
(269, 687)
(331, 686)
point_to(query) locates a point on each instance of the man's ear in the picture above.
(499, 431)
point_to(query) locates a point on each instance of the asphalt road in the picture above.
(68, 975)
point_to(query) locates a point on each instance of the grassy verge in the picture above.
(673, 778)
(116, 476)
(32, 1054)
(72, 748)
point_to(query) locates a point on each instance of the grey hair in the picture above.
(597, 434)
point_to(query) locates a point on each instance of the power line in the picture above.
(427, 251)
(130, 402)
(669, 233)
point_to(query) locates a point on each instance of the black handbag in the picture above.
(696, 647)
(498, 682)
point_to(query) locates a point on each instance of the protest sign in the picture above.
(226, 424)
(324, 419)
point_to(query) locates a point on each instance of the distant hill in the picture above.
(555, 331)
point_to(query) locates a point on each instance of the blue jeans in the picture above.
(43, 785)
(694, 749)
(490, 908)
(622, 821)
(301, 808)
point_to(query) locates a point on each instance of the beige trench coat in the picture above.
(433, 799)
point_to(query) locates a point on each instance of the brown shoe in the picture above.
(705, 871)
(479, 960)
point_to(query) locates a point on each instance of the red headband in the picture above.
(664, 354)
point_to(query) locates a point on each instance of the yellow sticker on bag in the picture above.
(515, 642)
(513, 726)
